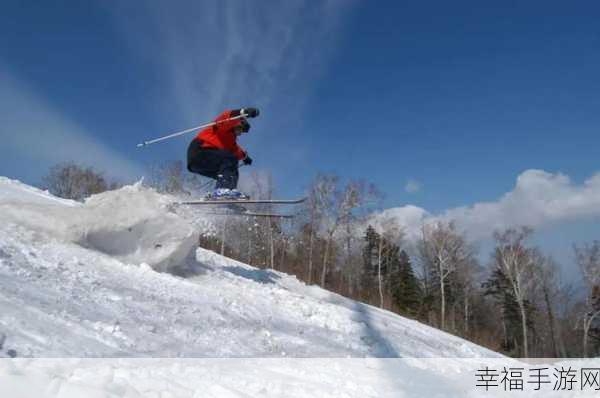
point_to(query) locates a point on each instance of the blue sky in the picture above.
(441, 104)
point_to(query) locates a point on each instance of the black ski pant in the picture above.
(218, 164)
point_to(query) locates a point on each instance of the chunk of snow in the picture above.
(132, 224)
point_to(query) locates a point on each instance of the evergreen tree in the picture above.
(370, 251)
(404, 285)
(499, 288)
(369, 272)
(377, 249)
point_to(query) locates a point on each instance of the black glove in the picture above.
(247, 160)
(251, 112)
(244, 125)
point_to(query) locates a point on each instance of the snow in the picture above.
(15, 191)
(119, 277)
(223, 378)
(265, 377)
(133, 224)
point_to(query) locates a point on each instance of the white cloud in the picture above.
(413, 186)
(213, 55)
(204, 57)
(539, 199)
(42, 136)
(410, 217)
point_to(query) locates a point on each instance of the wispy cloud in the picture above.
(413, 186)
(539, 199)
(42, 136)
(213, 55)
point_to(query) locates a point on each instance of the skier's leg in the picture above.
(200, 161)
(218, 164)
(228, 170)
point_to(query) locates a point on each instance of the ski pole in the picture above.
(166, 137)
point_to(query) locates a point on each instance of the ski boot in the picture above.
(226, 194)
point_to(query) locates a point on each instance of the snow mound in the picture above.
(132, 224)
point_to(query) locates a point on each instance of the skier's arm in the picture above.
(224, 124)
(239, 153)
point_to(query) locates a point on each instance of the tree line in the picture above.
(514, 302)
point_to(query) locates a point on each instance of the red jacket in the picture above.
(221, 135)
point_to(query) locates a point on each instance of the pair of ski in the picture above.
(238, 206)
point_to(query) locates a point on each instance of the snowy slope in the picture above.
(83, 280)
(78, 280)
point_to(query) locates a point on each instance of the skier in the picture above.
(214, 153)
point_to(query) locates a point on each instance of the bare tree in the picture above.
(314, 214)
(337, 207)
(391, 235)
(311, 211)
(442, 248)
(547, 284)
(262, 187)
(467, 274)
(588, 259)
(567, 315)
(325, 195)
(167, 177)
(72, 181)
(517, 262)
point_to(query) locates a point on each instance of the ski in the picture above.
(238, 209)
(253, 214)
(266, 215)
(243, 202)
